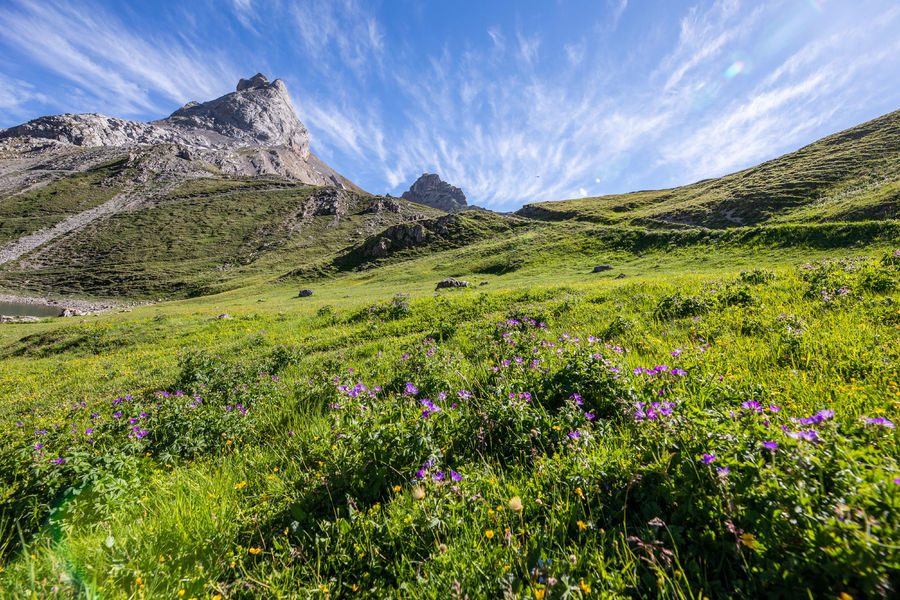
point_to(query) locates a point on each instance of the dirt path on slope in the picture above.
(25, 244)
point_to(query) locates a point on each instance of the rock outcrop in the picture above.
(251, 131)
(431, 190)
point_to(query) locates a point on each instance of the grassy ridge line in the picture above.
(851, 175)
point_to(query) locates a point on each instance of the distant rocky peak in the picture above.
(431, 190)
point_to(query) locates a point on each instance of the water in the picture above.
(18, 309)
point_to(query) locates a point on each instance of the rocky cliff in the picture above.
(251, 131)
(431, 190)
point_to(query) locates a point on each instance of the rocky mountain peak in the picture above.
(253, 130)
(431, 190)
(257, 113)
(258, 80)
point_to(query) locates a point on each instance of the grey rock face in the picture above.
(431, 190)
(251, 131)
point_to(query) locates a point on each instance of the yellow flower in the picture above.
(748, 539)
(845, 596)
(585, 588)
(579, 492)
(397, 488)
(581, 525)
(138, 581)
(539, 593)
(489, 534)
(418, 493)
(180, 593)
(240, 485)
(217, 597)
(255, 550)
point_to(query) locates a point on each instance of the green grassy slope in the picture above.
(314, 492)
(45, 206)
(849, 176)
(205, 236)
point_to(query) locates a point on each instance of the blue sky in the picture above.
(513, 101)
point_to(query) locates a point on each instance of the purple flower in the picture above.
(38, 446)
(774, 408)
(574, 434)
(679, 372)
(708, 459)
(897, 480)
(752, 405)
(770, 445)
(89, 431)
(822, 415)
(420, 474)
(464, 394)
(676, 352)
(411, 390)
(810, 435)
(455, 476)
(58, 461)
(577, 398)
(723, 471)
(880, 421)
(438, 476)
(589, 416)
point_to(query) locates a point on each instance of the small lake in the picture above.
(20, 309)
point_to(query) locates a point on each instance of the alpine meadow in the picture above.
(227, 370)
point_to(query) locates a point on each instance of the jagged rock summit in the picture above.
(431, 190)
(251, 131)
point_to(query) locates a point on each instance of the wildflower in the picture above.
(708, 458)
(577, 398)
(58, 461)
(489, 534)
(585, 588)
(770, 445)
(897, 480)
(581, 525)
(539, 593)
(240, 485)
(752, 405)
(38, 446)
(880, 421)
(723, 472)
(397, 488)
(438, 476)
(748, 539)
(515, 504)
(411, 390)
(589, 416)
(418, 493)
(455, 476)
(255, 550)
(676, 352)
(574, 434)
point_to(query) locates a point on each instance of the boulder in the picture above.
(305, 293)
(451, 283)
(620, 276)
(602, 268)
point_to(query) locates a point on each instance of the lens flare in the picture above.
(736, 68)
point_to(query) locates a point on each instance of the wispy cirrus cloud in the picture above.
(109, 64)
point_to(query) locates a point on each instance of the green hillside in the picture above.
(853, 175)
(710, 415)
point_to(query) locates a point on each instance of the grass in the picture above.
(47, 205)
(849, 176)
(711, 417)
(314, 491)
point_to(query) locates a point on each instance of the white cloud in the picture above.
(112, 66)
